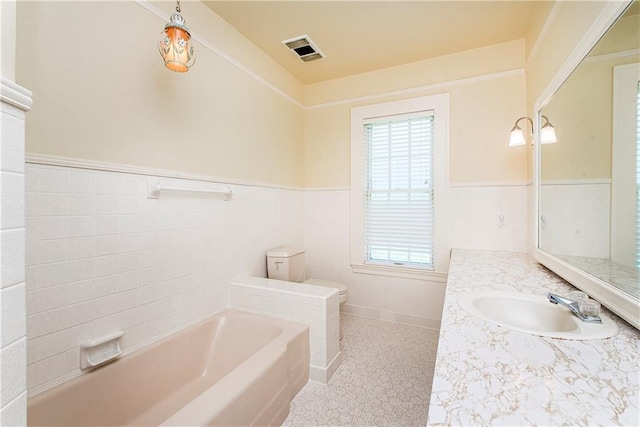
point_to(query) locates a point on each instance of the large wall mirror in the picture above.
(589, 180)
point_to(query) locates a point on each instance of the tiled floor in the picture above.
(385, 379)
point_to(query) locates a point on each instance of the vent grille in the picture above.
(304, 48)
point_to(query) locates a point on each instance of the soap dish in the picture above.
(100, 351)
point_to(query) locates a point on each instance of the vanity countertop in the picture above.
(489, 375)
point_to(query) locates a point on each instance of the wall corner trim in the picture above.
(13, 94)
(607, 16)
(543, 31)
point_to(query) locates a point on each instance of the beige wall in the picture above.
(479, 126)
(539, 16)
(581, 110)
(115, 102)
(111, 99)
(623, 35)
(8, 39)
(586, 94)
(569, 24)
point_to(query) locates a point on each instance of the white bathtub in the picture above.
(234, 369)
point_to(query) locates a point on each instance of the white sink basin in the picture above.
(534, 314)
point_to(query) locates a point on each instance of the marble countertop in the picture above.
(488, 375)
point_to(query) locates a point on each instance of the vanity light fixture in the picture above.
(175, 44)
(547, 133)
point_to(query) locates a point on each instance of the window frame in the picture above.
(439, 104)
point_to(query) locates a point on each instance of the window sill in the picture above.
(401, 272)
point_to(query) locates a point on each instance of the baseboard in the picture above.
(392, 316)
(321, 375)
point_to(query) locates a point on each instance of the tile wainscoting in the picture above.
(575, 218)
(101, 257)
(473, 212)
(15, 101)
(316, 306)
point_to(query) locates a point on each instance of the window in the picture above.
(399, 163)
(398, 195)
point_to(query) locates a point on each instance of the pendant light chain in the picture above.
(178, 6)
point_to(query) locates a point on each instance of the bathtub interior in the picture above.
(149, 385)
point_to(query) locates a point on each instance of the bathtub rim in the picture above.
(191, 413)
(288, 330)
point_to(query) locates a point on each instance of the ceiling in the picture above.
(362, 36)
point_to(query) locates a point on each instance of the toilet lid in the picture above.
(329, 284)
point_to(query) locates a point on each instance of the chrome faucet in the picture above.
(573, 306)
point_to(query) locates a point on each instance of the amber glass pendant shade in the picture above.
(175, 45)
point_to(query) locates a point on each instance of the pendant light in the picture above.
(175, 44)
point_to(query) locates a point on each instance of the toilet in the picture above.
(287, 263)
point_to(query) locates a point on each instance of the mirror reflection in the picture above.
(590, 178)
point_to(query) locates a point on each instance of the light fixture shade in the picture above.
(175, 45)
(548, 134)
(517, 137)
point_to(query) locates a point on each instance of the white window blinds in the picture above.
(398, 190)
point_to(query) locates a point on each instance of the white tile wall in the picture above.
(13, 343)
(101, 257)
(327, 222)
(473, 223)
(474, 217)
(315, 306)
(575, 219)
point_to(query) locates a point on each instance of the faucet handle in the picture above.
(576, 309)
(578, 296)
(589, 307)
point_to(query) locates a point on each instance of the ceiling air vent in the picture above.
(304, 48)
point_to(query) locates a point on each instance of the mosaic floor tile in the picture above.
(385, 378)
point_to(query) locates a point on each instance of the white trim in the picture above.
(491, 184)
(612, 55)
(391, 316)
(323, 376)
(625, 306)
(576, 181)
(618, 302)
(13, 94)
(145, 4)
(434, 86)
(40, 159)
(543, 31)
(608, 15)
(440, 104)
(402, 272)
(328, 189)
(624, 157)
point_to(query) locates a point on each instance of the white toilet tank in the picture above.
(286, 263)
